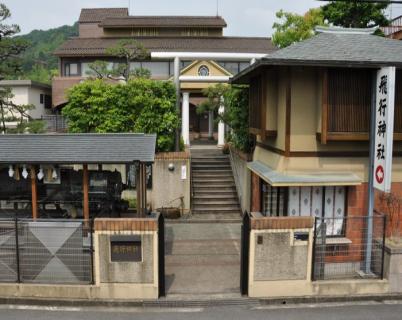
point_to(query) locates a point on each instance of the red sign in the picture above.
(379, 174)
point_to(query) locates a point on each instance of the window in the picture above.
(255, 103)
(42, 98)
(234, 67)
(349, 100)
(273, 201)
(322, 202)
(157, 68)
(203, 71)
(71, 69)
(48, 101)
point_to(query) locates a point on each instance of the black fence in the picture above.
(245, 253)
(345, 249)
(55, 123)
(161, 255)
(46, 251)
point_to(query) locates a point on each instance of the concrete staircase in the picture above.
(214, 189)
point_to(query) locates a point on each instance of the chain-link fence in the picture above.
(349, 248)
(46, 251)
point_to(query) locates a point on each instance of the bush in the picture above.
(141, 105)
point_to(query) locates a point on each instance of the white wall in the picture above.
(30, 95)
(34, 98)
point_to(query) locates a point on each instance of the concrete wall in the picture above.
(169, 188)
(113, 280)
(280, 266)
(242, 177)
(393, 267)
(126, 272)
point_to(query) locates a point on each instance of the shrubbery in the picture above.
(141, 105)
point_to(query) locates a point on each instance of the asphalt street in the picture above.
(388, 310)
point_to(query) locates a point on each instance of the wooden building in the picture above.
(310, 112)
(47, 169)
(205, 53)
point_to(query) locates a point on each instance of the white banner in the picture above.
(384, 128)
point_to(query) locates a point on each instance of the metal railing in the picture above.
(55, 123)
(340, 249)
(46, 251)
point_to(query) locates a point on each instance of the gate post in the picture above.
(161, 255)
(245, 254)
(17, 251)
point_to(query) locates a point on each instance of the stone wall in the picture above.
(393, 267)
(171, 188)
(279, 257)
(126, 272)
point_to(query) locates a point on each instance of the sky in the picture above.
(244, 17)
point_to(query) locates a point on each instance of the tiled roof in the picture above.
(76, 148)
(342, 48)
(165, 21)
(98, 46)
(99, 14)
(334, 49)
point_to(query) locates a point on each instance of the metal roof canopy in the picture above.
(88, 148)
(280, 179)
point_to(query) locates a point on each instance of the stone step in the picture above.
(213, 181)
(213, 203)
(215, 189)
(210, 159)
(216, 208)
(202, 167)
(213, 196)
(206, 174)
(215, 213)
(214, 186)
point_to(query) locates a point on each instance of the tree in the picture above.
(10, 64)
(128, 50)
(294, 27)
(10, 48)
(100, 69)
(354, 14)
(141, 105)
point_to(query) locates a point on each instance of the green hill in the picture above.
(39, 63)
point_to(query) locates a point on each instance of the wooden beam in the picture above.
(34, 192)
(144, 189)
(85, 190)
(138, 188)
(263, 112)
(288, 111)
(324, 107)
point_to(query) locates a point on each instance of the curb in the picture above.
(207, 302)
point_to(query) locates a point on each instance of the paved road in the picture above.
(391, 310)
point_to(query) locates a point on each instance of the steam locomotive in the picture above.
(64, 198)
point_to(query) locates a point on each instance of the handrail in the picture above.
(237, 178)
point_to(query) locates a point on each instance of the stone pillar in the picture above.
(185, 123)
(210, 125)
(221, 128)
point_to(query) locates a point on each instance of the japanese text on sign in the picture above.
(384, 128)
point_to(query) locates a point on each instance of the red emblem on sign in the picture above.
(379, 174)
